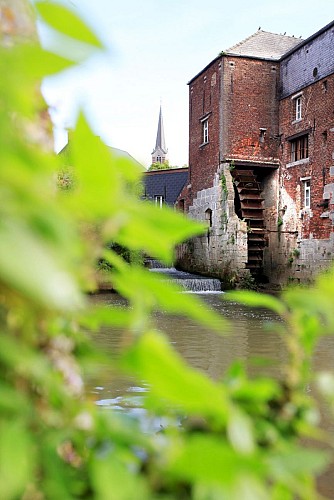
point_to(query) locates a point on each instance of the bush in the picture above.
(235, 439)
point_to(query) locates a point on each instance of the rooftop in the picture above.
(264, 45)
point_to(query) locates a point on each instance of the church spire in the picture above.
(159, 154)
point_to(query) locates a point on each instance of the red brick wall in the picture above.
(203, 100)
(237, 108)
(317, 120)
(249, 104)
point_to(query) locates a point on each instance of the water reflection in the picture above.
(250, 338)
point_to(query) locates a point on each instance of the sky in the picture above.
(154, 47)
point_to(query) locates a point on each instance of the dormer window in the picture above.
(159, 200)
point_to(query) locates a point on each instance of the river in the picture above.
(249, 338)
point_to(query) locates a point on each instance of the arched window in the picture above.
(208, 216)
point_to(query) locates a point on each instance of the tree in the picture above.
(164, 166)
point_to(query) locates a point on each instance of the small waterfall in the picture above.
(154, 264)
(187, 281)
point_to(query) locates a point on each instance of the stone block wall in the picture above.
(222, 250)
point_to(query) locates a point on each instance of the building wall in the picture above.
(311, 250)
(309, 63)
(222, 250)
(250, 107)
(204, 104)
(249, 121)
(243, 125)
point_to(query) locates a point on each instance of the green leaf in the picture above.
(99, 316)
(37, 63)
(254, 299)
(99, 189)
(240, 432)
(114, 480)
(295, 465)
(30, 267)
(172, 381)
(16, 459)
(160, 230)
(205, 459)
(66, 22)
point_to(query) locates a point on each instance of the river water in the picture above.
(249, 338)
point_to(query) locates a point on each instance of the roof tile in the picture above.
(263, 44)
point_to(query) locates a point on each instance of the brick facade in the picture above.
(245, 130)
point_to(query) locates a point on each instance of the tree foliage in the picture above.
(235, 439)
(164, 166)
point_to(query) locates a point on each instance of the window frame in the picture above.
(306, 184)
(208, 217)
(299, 148)
(205, 131)
(298, 108)
(159, 200)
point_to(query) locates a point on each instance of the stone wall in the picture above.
(222, 250)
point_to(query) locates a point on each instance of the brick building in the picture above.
(261, 150)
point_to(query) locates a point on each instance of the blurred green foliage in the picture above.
(235, 439)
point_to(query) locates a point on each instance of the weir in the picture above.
(187, 281)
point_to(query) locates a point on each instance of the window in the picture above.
(159, 200)
(299, 148)
(205, 125)
(298, 108)
(307, 193)
(208, 217)
(159, 159)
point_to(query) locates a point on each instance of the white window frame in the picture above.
(306, 183)
(298, 106)
(205, 128)
(159, 200)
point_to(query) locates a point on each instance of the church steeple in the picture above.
(159, 154)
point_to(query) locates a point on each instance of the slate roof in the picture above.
(264, 45)
(167, 183)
